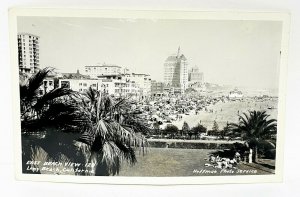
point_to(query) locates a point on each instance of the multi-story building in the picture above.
(175, 71)
(125, 83)
(79, 85)
(143, 82)
(157, 88)
(47, 86)
(195, 75)
(122, 85)
(115, 85)
(28, 53)
(196, 79)
(104, 69)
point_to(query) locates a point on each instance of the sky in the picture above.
(231, 52)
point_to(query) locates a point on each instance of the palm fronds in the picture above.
(28, 91)
(50, 96)
(112, 132)
(256, 128)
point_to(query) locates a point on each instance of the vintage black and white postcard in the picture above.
(148, 97)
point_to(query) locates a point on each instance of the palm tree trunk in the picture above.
(255, 155)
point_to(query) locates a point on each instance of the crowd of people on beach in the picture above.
(167, 109)
(157, 112)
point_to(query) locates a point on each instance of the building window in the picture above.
(80, 84)
(65, 84)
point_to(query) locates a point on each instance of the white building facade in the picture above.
(116, 87)
(28, 53)
(104, 69)
(124, 82)
(143, 82)
(176, 72)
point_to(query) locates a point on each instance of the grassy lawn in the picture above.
(178, 162)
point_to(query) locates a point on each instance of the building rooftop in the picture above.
(76, 75)
(29, 34)
(176, 58)
(141, 74)
(105, 65)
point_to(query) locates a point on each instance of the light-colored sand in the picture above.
(227, 112)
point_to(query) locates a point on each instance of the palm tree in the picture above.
(42, 116)
(111, 131)
(33, 104)
(255, 128)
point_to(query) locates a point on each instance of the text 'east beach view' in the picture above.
(148, 97)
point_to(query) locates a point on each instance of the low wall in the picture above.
(190, 145)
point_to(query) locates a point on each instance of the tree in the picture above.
(198, 129)
(35, 116)
(215, 129)
(185, 128)
(111, 132)
(31, 102)
(255, 128)
(156, 127)
(172, 130)
(224, 131)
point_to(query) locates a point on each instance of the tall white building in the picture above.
(28, 53)
(176, 72)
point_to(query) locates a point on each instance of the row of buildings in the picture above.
(134, 85)
(113, 79)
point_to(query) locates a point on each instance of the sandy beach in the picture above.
(228, 112)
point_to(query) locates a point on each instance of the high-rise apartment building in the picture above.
(176, 71)
(28, 53)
